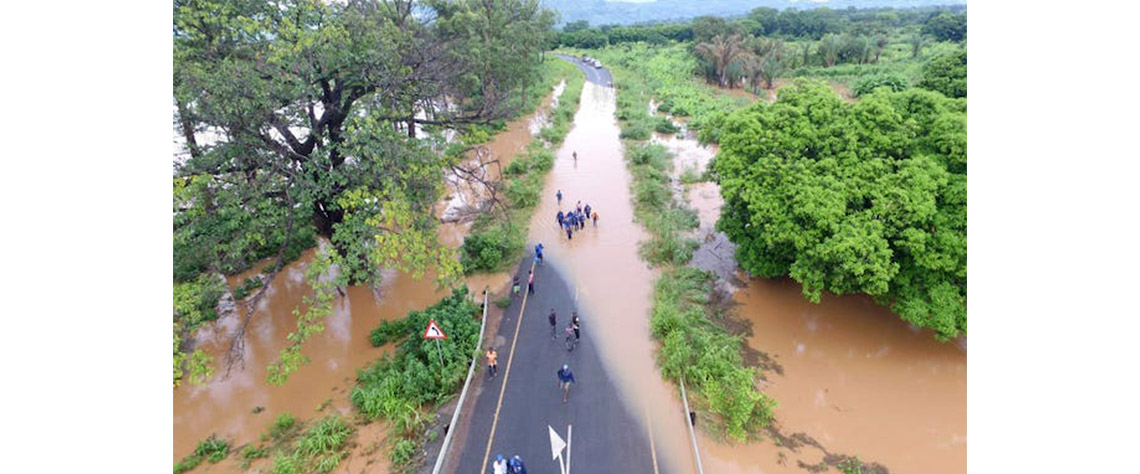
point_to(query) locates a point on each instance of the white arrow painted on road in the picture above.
(556, 447)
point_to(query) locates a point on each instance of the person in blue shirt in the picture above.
(565, 378)
(559, 196)
(515, 465)
(538, 253)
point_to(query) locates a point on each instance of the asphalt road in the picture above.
(600, 76)
(605, 436)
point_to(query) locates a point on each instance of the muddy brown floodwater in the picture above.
(225, 405)
(612, 284)
(856, 378)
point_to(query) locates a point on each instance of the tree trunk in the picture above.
(188, 129)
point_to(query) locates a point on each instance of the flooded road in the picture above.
(856, 378)
(613, 284)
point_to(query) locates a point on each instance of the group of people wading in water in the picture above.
(576, 218)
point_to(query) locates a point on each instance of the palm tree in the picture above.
(828, 49)
(764, 61)
(721, 52)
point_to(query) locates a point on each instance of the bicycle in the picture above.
(571, 338)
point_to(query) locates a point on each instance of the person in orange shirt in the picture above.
(492, 362)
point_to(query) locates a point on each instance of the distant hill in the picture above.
(625, 12)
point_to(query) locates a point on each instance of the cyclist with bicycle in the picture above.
(576, 324)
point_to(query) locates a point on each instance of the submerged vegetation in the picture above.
(212, 449)
(421, 373)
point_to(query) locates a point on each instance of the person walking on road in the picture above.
(565, 378)
(553, 323)
(492, 362)
(561, 218)
(530, 283)
(595, 216)
(575, 156)
(515, 465)
(587, 209)
(538, 253)
(500, 465)
(559, 196)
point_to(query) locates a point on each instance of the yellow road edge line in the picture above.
(506, 376)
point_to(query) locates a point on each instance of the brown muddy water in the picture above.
(856, 378)
(612, 284)
(225, 405)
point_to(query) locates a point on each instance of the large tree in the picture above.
(853, 198)
(946, 73)
(304, 118)
(316, 108)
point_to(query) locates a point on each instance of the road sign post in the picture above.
(434, 332)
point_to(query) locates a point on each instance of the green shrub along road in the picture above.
(402, 388)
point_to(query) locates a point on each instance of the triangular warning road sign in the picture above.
(433, 331)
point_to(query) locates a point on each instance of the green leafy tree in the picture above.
(946, 26)
(946, 73)
(319, 106)
(853, 198)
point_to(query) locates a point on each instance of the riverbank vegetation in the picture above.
(497, 239)
(402, 388)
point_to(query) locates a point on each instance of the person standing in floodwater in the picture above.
(530, 283)
(575, 156)
(595, 216)
(559, 195)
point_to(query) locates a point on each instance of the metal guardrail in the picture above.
(463, 394)
(689, 423)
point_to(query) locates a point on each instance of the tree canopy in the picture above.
(324, 116)
(853, 198)
(946, 73)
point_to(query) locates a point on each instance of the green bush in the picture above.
(665, 125)
(490, 249)
(247, 286)
(213, 449)
(403, 451)
(282, 425)
(868, 84)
